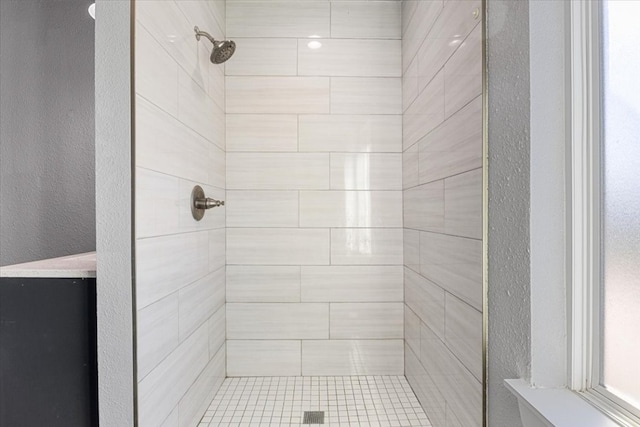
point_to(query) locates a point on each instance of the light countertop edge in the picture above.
(81, 266)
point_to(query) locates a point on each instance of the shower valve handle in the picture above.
(200, 203)
(208, 203)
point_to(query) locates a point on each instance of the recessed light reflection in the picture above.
(455, 42)
(314, 45)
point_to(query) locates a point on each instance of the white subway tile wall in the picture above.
(442, 184)
(285, 95)
(268, 19)
(352, 357)
(180, 263)
(314, 172)
(350, 133)
(348, 57)
(276, 358)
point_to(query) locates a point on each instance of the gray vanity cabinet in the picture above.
(48, 371)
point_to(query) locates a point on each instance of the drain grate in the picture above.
(313, 417)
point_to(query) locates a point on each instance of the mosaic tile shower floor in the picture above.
(356, 401)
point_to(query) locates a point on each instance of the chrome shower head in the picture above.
(222, 50)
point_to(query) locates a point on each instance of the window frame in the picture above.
(585, 225)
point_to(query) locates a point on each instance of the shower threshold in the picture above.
(346, 401)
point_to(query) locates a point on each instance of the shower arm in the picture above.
(203, 33)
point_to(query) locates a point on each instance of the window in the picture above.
(605, 123)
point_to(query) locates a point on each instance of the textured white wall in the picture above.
(113, 214)
(527, 187)
(508, 210)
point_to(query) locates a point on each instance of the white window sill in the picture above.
(555, 407)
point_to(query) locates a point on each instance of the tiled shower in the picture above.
(346, 140)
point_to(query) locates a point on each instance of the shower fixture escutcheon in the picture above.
(200, 203)
(222, 50)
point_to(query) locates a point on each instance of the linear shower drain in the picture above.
(313, 417)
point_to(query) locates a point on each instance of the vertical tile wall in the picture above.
(314, 179)
(180, 263)
(442, 182)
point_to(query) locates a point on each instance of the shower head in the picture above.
(222, 50)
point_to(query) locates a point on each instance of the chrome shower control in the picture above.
(199, 203)
(208, 203)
